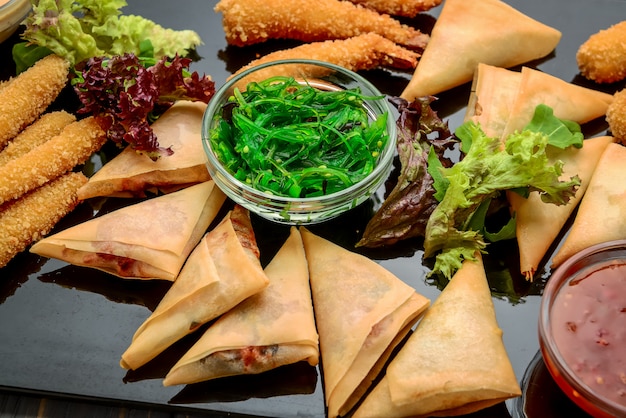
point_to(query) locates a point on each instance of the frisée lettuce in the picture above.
(488, 167)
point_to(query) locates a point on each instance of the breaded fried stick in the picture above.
(247, 22)
(28, 95)
(404, 8)
(616, 116)
(362, 52)
(73, 146)
(32, 216)
(602, 58)
(46, 127)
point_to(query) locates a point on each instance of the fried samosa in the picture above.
(454, 363)
(538, 223)
(471, 32)
(131, 174)
(272, 328)
(602, 209)
(223, 270)
(504, 101)
(362, 312)
(147, 240)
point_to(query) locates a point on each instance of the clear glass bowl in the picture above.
(289, 210)
(12, 13)
(582, 334)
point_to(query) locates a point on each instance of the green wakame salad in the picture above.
(290, 139)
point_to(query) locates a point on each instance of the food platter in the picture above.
(63, 328)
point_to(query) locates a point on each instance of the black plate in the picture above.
(63, 328)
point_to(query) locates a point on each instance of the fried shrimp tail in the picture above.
(247, 22)
(46, 127)
(73, 146)
(362, 52)
(404, 8)
(616, 116)
(26, 96)
(33, 215)
(602, 58)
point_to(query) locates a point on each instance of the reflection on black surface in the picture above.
(146, 293)
(294, 379)
(158, 367)
(542, 397)
(17, 271)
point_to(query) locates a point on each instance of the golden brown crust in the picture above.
(248, 22)
(32, 216)
(73, 146)
(29, 94)
(405, 8)
(362, 52)
(46, 127)
(602, 58)
(616, 116)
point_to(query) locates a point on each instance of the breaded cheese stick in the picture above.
(248, 22)
(362, 52)
(33, 215)
(616, 116)
(73, 146)
(404, 8)
(28, 95)
(602, 58)
(47, 126)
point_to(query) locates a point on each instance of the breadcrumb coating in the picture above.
(404, 8)
(47, 126)
(362, 52)
(73, 146)
(602, 58)
(616, 116)
(32, 216)
(247, 22)
(29, 94)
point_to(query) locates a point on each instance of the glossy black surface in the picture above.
(63, 328)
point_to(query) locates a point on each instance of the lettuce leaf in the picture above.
(488, 168)
(82, 29)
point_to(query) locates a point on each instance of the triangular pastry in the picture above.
(132, 174)
(454, 363)
(272, 328)
(147, 240)
(223, 270)
(538, 223)
(362, 312)
(471, 32)
(602, 210)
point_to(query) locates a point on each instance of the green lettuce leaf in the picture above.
(82, 29)
(488, 168)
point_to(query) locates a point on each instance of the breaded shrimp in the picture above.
(247, 22)
(73, 146)
(602, 58)
(616, 116)
(404, 8)
(33, 215)
(362, 52)
(28, 95)
(47, 126)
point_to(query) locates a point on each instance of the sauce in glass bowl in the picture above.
(582, 328)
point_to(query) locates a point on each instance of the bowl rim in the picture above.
(382, 165)
(558, 279)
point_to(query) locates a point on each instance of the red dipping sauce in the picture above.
(582, 329)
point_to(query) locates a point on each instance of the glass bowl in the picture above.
(12, 13)
(309, 209)
(582, 332)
